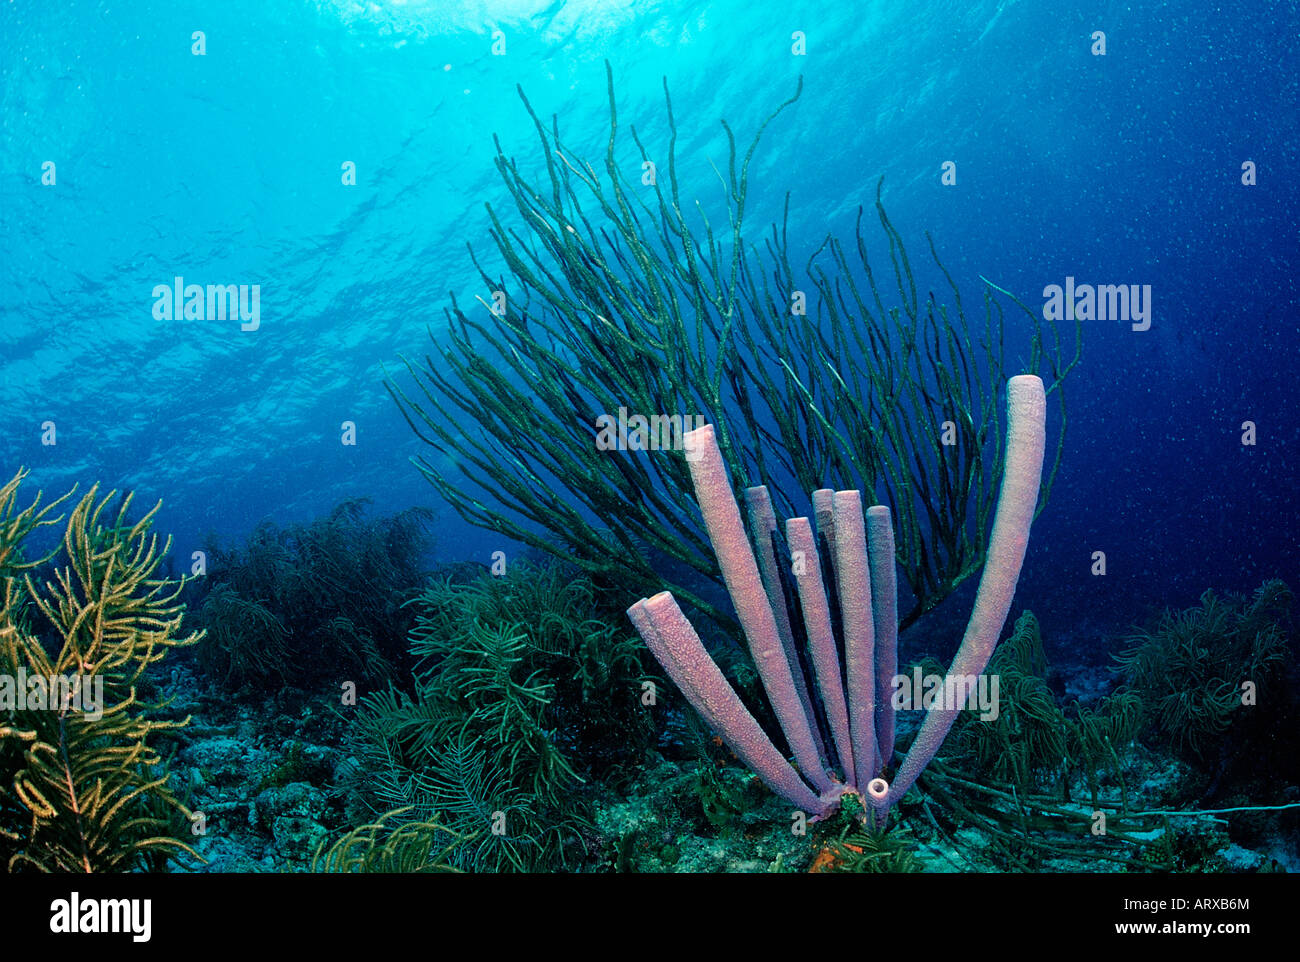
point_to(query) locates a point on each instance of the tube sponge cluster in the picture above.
(848, 561)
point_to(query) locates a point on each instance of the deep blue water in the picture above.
(225, 168)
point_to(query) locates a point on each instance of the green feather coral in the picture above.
(518, 686)
(1032, 736)
(1190, 669)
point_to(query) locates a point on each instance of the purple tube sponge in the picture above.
(673, 641)
(860, 552)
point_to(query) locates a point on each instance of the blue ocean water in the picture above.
(227, 168)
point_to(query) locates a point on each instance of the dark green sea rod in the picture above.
(613, 300)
